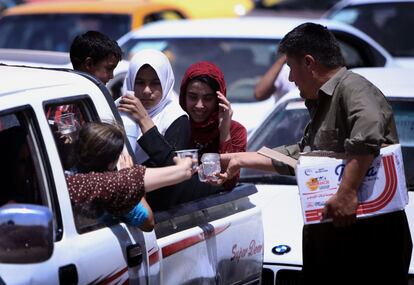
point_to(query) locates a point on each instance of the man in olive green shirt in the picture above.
(348, 114)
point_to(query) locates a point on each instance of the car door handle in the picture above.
(134, 255)
(68, 275)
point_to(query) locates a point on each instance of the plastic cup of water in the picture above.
(210, 166)
(66, 123)
(192, 153)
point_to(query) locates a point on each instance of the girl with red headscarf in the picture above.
(203, 97)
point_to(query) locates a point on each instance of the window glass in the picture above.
(56, 32)
(283, 127)
(351, 55)
(387, 23)
(20, 181)
(24, 168)
(404, 119)
(65, 120)
(357, 52)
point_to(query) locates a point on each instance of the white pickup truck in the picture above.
(214, 240)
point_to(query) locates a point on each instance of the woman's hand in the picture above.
(133, 106)
(225, 115)
(184, 166)
(125, 160)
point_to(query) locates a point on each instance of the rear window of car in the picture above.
(55, 32)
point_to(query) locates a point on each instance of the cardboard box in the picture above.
(319, 175)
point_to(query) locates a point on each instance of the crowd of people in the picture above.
(348, 114)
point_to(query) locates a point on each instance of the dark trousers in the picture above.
(374, 250)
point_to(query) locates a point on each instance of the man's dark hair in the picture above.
(313, 39)
(95, 45)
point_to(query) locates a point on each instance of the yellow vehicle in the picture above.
(212, 8)
(201, 8)
(53, 25)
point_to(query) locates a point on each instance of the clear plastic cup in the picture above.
(210, 165)
(193, 153)
(66, 123)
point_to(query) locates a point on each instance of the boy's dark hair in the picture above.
(313, 39)
(95, 45)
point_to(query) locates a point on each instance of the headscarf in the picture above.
(167, 110)
(207, 132)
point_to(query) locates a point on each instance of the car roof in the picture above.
(114, 7)
(17, 79)
(243, 27)
(260, 27)
(35, 58)
(392, 81)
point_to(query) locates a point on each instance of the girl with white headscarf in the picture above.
(155, 123)
(157, 126)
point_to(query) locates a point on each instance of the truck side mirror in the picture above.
(26, 233)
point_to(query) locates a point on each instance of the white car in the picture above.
(389, 22)
(44, 240)
(278, 195)
(244, 48)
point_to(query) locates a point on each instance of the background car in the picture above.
(389, 22)
(212, 8)
(44, 240)
(53, 25)
(278, 196)
(194, 8)
(244, 48)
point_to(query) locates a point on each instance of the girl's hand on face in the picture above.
(133, 106)
(225, 115)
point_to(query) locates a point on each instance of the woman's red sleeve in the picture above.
(236, 143)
